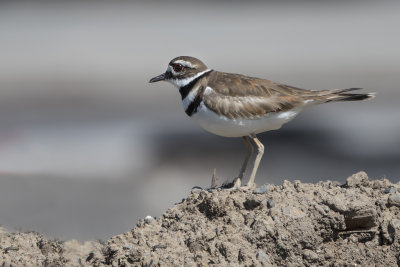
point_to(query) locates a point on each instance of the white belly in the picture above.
(223, 126)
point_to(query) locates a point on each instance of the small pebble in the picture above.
(261, 190)
(390, 190)
(261, 256)
(148, 219)
(327, 209)
(394, 200)
(395, 223)
(310, 255)
(196, 189)
(270, 203)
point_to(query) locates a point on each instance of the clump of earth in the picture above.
(293, 224)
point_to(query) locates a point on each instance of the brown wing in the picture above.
(239, 96)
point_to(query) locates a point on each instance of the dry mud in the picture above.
(293, 224)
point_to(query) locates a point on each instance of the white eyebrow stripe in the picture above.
(184, 63)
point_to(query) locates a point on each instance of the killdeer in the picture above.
(234, 105)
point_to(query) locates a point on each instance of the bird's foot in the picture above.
(235, 185)
(248, 187)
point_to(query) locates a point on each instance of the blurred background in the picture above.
(87, 146)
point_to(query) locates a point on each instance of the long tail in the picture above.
(340, 95)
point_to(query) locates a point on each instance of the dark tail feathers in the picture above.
(338, 95)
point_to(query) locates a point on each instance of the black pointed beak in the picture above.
(158, 78)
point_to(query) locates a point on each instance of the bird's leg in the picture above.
(249, 152)
(238, 181)
(260, 152)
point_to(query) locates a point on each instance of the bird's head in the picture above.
(181, 70)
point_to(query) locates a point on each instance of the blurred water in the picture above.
(87, 146)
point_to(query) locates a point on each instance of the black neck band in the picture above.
(184, 90)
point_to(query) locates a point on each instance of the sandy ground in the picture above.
(88, 146)
(293, 224)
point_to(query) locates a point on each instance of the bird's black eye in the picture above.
(178, 67)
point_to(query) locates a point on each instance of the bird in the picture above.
(235, 105)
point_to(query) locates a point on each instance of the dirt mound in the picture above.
(293, 224)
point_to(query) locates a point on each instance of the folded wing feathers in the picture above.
(257, 97)
(246, 107)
